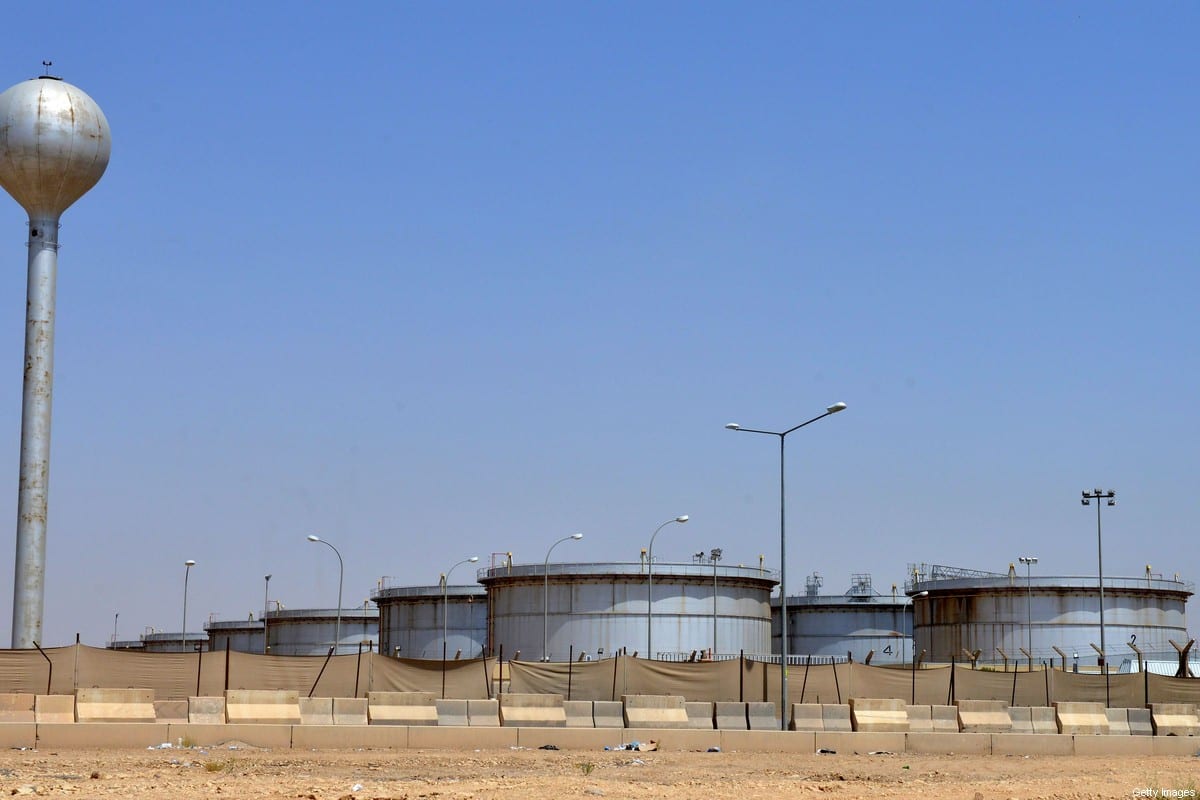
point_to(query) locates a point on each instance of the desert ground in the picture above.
(238, 771)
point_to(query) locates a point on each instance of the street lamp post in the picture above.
(187, 568)
(266, 602)
(715, 556)
(445, 598)
(337, 625)
(682, 518)
(1110, 496)
(783, 609)
(546, 593)
(1029, 561)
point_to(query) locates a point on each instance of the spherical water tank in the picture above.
(54, 144)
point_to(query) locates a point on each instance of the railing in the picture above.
(663, 568)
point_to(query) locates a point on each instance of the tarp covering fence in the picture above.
(175, 676)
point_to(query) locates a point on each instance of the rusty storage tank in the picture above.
(858, 623)
(412, 620)
(311, 631)
(596, 610)
(972, 610)
(241, 635)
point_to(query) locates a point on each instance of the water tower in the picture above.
(54, 146)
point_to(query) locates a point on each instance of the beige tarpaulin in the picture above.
(173, 676)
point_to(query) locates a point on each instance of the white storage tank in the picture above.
(412, 620)
(311, 631)
(242, 635)
(858, 623)
(969, 610)
(596, 610)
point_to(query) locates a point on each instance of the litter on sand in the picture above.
(642, 746)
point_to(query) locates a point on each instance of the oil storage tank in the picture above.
(860, 623)
(412, 620)
(998, 613)
(552, 611)
(311, 631)
(240, 635)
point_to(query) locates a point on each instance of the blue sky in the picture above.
(441, 280)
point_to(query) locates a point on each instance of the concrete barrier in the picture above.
(1125, 746)
(806, 717)
(262, 706)
(920, 718)
(1140, 723)
(850, 742)
(171, 710)
(1022, 719)
(114, 705)
(54, 709)
(316, 710)
(349, 711)
(608, 714)
(957, 743)
(944, 719)
(18, 735)
(701, 715)
(451, 713)
(1080, 718)
(728, 716)
(1043, 719)
(983, 716)
(206, 710)
(485, 713)
(568, 738)
(403, 708)
(1031, 744)
(775, 741)
(836, 717)
(761, 716)
(349, 737)
(878, 715)
(579, 713)
(1174, 719)
(253, 734)
(1118, 721)
(17, 707)
(532, 711)
(654, 711)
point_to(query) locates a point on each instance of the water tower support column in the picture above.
(37, 396)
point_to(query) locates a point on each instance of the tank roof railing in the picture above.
(396, 587)
(994, 581)
(661, 568)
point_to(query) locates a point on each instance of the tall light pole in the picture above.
(650, 584)
(546, 593)
(1088, 497)
(1029, 561)
(187, 568)
(337, 625)
(715, 556)
(445, 598)
(266, 602)
(783, 608)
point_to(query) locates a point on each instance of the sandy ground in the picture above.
(452, 775)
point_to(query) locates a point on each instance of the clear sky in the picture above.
(434, 280)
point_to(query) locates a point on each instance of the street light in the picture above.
(1110, 496)
(1029, 561)
(783, 644)
(715, 556)
(650, 583)
(546, 592)
(187, 567)
(445, 600)
(337, 625)
(266, 602)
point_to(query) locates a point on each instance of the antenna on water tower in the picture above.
(54, 147)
